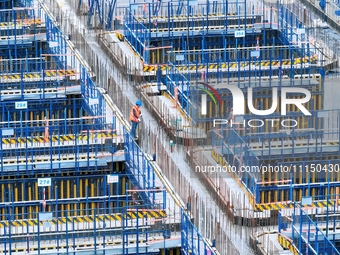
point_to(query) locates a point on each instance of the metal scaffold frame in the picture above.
(67, 232)
(192, 240)
(142, 29)
(26, 2)
(247, 142)
(274, 46)
(140, 165)
(62, 176)
(26, 135)
(48, 147)
(176, 80)
(20, 30)
(181, 47)
(304, 235)
(140, 169)
(103, 10)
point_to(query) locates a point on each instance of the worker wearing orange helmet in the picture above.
(135, 115)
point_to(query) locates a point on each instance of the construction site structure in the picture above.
(72, 178)
(302, 233)
(252, 46)
(200, 55)
(311, 229)
(192, 59)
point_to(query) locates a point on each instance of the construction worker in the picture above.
(230, 116)
(135, 196)
(135, 115)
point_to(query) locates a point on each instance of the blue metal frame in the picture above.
(74, 149)
(192, 241)
(94, 6)
(139, 169)
(317, 236)
(109, 21)
(211, 53)
(240, 147)
(103, 9)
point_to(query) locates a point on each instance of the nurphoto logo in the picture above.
(239, 108)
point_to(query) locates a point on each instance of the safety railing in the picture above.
(137, 35)
(140, 169)
(309, 236)
(100, 228)
(191, 239)
(251, 154)
(174, 79)
(176, 10)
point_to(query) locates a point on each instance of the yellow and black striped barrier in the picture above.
(35, 21)
(59, 138)
(218, 157)
(265, 63)
(277, 205)
(181, 29)
(21, 23)
(156, 214)
(153, 68)
(53, 73)
(47, 73)
(120, 36)
(286, 243)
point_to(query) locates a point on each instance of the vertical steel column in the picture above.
(137, 230)
(271, 61)
(39, 240)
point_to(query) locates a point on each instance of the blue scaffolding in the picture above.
(103, 10)
(310, 234)
(254, 151)
(185, 47)
(192, 241)
(72, 178)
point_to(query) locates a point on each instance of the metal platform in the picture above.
(21, 24)
(293, 148)
(85, 222)
(29, 94)
(36, 76)
(22, 164)
(230, 29)
(199, 16)
(112, 246)
(21, 40)
(94, 137)
(273, 148)
(260, 65)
